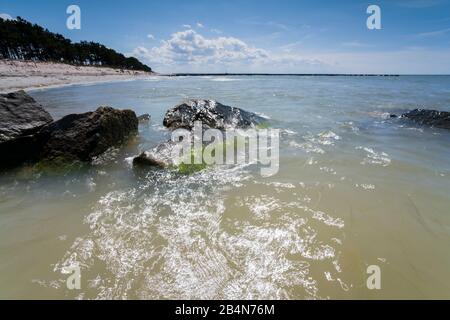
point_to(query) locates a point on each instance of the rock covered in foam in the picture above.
(211, 113)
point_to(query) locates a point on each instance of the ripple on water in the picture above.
(316, 143)
(172, 237)
(373, 157)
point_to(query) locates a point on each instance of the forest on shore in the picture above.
(20, 39)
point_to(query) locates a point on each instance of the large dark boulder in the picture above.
(434, 118)
(21, 117)
(212, 114)
(28, 133)
(85, 136)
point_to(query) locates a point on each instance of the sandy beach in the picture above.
(28, 75)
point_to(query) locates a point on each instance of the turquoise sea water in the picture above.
(355, 188)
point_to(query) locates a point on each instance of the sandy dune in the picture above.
(28, 75)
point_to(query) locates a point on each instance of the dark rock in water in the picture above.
(393, 116)
(212, 114)
(434, 118)
(28, 133)
(85, 136)
(20, 115)
(159, 156)
(18, 151)
(144, 118)
(145, 159)
(20, 118)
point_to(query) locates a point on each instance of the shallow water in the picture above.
(354, 189)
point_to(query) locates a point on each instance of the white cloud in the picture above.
(6, 16)
(217, 31)
(356, 44)
(278, 25)
(418, 4)
(433, 33)
(187, 26)
(188, 50)
(291, 46)
(199, 25)
(150, 36)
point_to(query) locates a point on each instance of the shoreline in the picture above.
(30, 76)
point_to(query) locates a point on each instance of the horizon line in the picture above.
(181, 74)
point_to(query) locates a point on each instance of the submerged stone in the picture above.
(145, 118)
(434, 118)
(145, 159)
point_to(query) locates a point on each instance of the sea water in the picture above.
(355, 189)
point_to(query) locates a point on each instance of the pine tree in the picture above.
(19, 39)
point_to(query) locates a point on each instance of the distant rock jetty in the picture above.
(280, 75)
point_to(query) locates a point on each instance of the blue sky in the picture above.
(258, 35)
